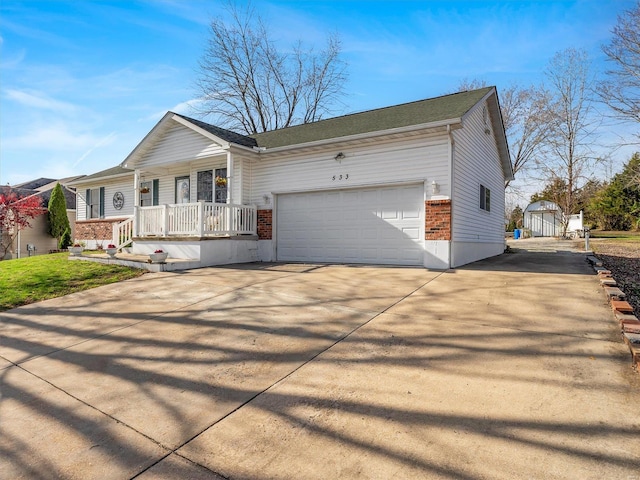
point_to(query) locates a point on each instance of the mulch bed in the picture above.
(623, 259)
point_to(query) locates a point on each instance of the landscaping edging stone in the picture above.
(623, 310)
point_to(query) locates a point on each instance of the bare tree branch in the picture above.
(524, 118)
(250, 85)
(567, 147)
(621, 91)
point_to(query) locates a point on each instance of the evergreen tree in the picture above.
(617, 207)
(515, 219)
(58, 219)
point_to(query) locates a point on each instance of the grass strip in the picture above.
(32, 279)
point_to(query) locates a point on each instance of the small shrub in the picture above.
(65, 240)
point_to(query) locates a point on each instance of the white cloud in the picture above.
(57, 137)
(39, 100)
(109, 139)
(185, 108)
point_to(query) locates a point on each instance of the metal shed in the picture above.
(543, 219)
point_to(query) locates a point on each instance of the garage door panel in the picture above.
(412, 233)
(372, 225)
(411, 214)
(388, 214)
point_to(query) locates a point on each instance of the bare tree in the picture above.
(250, 85)
(468, 84)
(568, 155)
(621, 90)
(524, 118)
(525, 123)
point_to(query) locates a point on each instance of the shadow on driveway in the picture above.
(264, 371)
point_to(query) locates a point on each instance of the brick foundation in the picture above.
(437, 220)
(96, 229)
(265, 224)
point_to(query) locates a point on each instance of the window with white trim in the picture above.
(95, 203)
(485, 198)
(204, 188)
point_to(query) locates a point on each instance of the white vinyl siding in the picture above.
(123, 185)
(476, 163)
(179, 144)
(394, 162)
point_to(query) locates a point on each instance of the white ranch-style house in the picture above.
(420, 183)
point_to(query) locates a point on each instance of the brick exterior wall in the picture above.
(96, 229)
(265, 222)
(437, 220)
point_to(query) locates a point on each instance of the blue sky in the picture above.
(83, 81)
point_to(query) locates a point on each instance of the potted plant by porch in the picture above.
(159, 256)
(111, 250)
(221, 181)
(76, 250)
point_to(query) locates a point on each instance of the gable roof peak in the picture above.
(222, 133)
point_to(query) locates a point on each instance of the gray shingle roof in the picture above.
(44, 194)
(224, 134)
(109, 172)
(35, 184)
(415, 113)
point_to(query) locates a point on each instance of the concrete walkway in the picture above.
(507, 368)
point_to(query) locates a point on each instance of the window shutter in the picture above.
(482, 204)
(156, 191)
(101, 202)
(88, 204)
(488, 199)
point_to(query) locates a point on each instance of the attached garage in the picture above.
(382, 225)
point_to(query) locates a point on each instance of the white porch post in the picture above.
(136, 187)
(136, 201)
(136, 219)
(165, 220)
(200, 227)
(230, 178)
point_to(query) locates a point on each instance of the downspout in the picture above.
(451, 144)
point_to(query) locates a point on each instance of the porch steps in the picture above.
(141, 262)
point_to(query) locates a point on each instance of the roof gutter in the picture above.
(82, 181)
(392, 131)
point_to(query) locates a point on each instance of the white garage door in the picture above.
(368, 225)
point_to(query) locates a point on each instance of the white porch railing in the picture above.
(123, 232)
(196, 219)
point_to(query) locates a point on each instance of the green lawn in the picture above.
(631, 237)
(28, 280)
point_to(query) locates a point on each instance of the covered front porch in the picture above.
(205, 233)
(190, 194)
(199, 219)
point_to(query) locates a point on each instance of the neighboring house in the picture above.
(36, 239)
(420, 183)
(545, 219)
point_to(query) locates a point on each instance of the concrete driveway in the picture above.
(508, 368)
